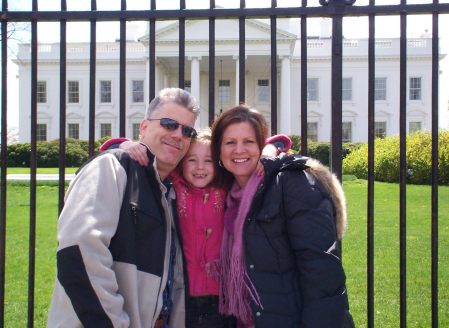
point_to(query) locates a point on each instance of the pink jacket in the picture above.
(201, 220)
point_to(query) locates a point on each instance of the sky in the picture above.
(387, 26)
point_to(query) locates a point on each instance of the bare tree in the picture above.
(16, 33)
(15, 30)
(12, 136)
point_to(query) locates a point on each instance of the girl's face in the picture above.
(197, 165)
(239, 151)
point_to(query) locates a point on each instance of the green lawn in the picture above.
(354, 258)
(386, 259)
(17, 241)
(40, 170)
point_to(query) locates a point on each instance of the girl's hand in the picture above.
(136, 151)
(270, 150)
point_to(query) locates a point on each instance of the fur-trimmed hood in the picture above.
(333, 187)
(315, 171)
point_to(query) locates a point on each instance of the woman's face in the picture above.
(239, 151)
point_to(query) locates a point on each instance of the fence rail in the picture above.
(334, 9)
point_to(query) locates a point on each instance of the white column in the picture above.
(157, 83)
(237, 77)
(237, 84)
(166, 81)
(157, 79)
(195, 83)
(147, 80)
(195, 77)
(285, 113)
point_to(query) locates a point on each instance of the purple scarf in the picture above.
(236, 289)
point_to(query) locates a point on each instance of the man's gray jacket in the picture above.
(113, 235)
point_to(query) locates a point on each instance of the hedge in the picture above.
(321, 150)
(47, 153)
(386, 159)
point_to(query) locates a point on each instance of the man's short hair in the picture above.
(174, 95)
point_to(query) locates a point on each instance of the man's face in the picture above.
(169, 147)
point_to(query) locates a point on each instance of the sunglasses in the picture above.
(172, 125)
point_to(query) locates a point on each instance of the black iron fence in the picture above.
(334, 9)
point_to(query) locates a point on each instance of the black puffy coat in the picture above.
(291, 247)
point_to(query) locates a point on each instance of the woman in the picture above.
(280, 260)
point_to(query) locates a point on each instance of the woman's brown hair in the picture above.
(237, 114)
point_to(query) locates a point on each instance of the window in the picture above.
(224, 91)
(73, 130)
(312, 89)
(73, 92)
(188, 86)
(105, 130)
(41, 132)
(415, 88)
(105, 92)
(380, 129)
(136, 131)
(137, 91)
(41, 88)
(380, 88)
(263, 90)
(312, 131)
(414, 127)
(346, 135)
(346, 89)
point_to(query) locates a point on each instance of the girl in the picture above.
(200, 209)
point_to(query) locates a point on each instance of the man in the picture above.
(115, 232)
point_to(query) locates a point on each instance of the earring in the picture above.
(220, 163)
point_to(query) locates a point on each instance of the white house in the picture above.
(257, 80)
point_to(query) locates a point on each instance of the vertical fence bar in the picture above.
(4, 161)
(336, 89)
(33, 167)
(274, 80)
(123, 72)
(211, 65)
(62, 104)
(242, 54)
(92, 78)
(435, 140)
(304, 81)
(403, 170)
(152, 54)
(370, 200)
(182, 45)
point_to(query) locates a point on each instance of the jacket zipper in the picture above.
(134, 214)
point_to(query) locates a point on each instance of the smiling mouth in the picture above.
(170, 144)
(199, 176)
(240, 160)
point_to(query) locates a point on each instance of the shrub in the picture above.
(77, 152)
(357, 163)
(47, 153)
(349, 147)
(19, 155)
(296, 142)
(386, 159)
(443, 157)
(319, 151)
